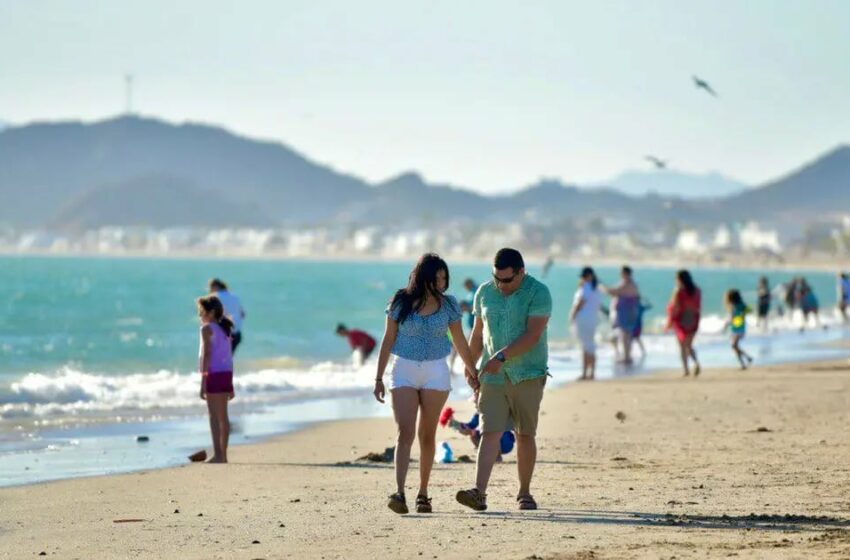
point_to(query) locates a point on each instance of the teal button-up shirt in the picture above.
(506, 319)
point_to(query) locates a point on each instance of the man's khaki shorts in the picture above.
(503, 405)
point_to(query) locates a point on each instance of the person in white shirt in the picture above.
(587, 305)
(232, 308)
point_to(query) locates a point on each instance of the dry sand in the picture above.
(687, 474)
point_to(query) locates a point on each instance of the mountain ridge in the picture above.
(63, 174)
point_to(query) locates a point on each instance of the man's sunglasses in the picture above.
(504, 280)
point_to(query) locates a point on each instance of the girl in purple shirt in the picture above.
(216, 366)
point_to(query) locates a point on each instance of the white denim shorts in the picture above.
(430, 374)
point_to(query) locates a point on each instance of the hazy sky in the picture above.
(486, 94)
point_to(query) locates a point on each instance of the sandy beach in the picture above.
(742, 465)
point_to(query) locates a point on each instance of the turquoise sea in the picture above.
(94, 351)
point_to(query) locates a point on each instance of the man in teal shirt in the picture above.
(511, 315)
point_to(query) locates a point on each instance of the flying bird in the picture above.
(699, 83)
(657, 162)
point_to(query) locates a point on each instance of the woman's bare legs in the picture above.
(431, 403)
(584, 365)
(686, 350)
(219, 425)
(690, 342)
(627, 346)
(639, 342)
(405, 409)
(685, 354)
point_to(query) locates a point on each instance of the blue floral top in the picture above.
(424, 338)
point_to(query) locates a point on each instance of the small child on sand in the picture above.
(738, 322)
(471, 430)
(216, 365)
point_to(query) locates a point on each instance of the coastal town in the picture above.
(599, 239)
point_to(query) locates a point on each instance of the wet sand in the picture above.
(740, 465)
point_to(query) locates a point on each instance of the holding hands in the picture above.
(472, 380)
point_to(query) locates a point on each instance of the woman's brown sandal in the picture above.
(423, 504)
(398, 504)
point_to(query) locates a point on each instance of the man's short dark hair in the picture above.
(341, 328)
(217, 284)
(508, 258)
(627, 270)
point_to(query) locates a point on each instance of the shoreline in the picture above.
(680, 476)
(71, 447)
(672, 262)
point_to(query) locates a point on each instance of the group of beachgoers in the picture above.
(508, 337)
(626, 317)
(505, 355)
(625, 313)
(683, 314)
(795, 295)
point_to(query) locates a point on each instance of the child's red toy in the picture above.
(446, 416)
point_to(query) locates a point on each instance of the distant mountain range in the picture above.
(142, 171)
(670, 182)
(817, 189)
(45, 168)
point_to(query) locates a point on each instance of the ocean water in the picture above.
(95, 351)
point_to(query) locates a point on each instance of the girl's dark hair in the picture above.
(687, 281)
(211, 304)
(733, 297)
(588, 271)
(763, 281)
(423, 281)
(217, 284)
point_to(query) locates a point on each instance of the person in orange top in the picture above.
(683, 314)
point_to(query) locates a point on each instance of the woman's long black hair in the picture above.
(588, 271)
(423, 281)
(687, 281)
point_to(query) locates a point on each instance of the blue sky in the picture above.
(487, 94)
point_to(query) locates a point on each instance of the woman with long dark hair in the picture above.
(587, 304)
(683, 314)
(419, 319)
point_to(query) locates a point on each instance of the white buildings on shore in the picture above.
(748, 238)
(457, 240)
